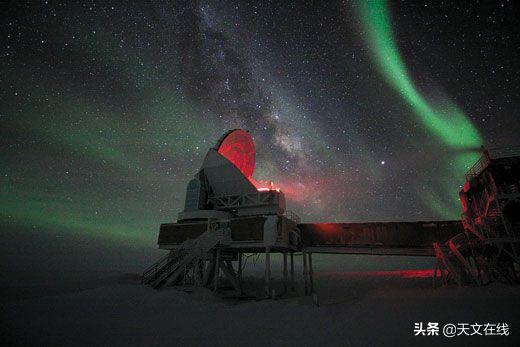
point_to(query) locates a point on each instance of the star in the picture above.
(135, 106)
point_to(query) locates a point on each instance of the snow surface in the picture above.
(94, 298)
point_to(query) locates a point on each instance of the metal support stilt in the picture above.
(292, 271)
(311, 273)
(217, 270)
(229, 272)
(197, 278)
(239, 270)
(285, 272)
(434, 280)
(267, 271)
(305, 282)
(209, 268)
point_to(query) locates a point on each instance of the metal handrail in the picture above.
(478, 167)
(153, 268)
(259, 198)
(159, 269)
(160, 266)
(157, 262)
(504, 152)
(485, 159)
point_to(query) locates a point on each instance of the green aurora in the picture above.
(456, 134)
(103, 144)
(81, 159)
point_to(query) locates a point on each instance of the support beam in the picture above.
(434, 280)
(285, 272)
(197, 278)
(311, 274)
(208, 271)
(229, 272)
(292, 271)
(305, 282)
(217, 270)
(267, 272)
(239, 270)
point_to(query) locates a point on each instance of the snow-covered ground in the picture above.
(55, 299)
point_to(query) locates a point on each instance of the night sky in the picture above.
(359, 111)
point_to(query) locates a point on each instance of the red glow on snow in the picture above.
(421, 273)
(424, 273)
(238, 147)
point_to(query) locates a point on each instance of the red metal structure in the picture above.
(489, 248)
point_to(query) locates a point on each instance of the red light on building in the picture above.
(238, 147)
(328, 228)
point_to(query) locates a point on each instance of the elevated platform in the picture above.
(250, 234)
(411, 252)
(385, 238)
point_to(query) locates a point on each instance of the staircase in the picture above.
(159, 267)
(453, 265)
(169, 268)
(448, 269)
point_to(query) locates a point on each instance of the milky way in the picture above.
(359, 111)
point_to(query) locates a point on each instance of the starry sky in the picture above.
(360, 111)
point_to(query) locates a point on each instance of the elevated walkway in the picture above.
(383, 238)
(373, 250)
